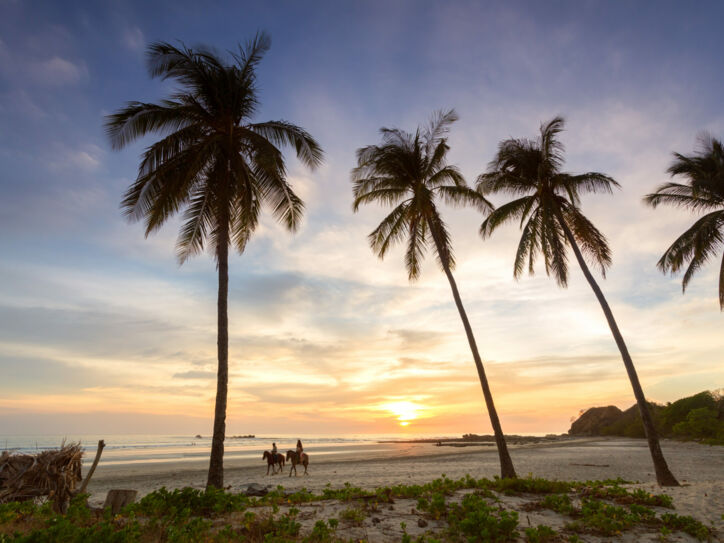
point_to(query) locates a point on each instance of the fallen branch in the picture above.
(99, 450)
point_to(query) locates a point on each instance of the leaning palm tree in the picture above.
(704, 191)
(549, 213)
(411, 172)
(214, 164)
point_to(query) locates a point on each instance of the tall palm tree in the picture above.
(549, 213)
(704, 191)
(214, 164)
(411, 172)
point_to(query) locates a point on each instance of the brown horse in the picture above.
(271, 462)
(292, 455)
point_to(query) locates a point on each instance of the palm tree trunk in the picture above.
(663, 474)
(506, 463)
(216, 464)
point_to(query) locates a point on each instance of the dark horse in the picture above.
(271, 461)
(292, 455)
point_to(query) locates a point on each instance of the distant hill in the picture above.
(699, 417)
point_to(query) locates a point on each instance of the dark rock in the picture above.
(375, 520)
(422, 523)
(254, 489)
(593, 420)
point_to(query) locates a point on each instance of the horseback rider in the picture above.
(275, 456)
(300, 450)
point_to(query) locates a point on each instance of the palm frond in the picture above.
(284, 133)
(198, 220)
(138, 119)
(506, 213)
(390, 231)
(504, 182)
(457, 195)
(416, 247)
(528, 246)
(721, 285)
(685, 196)
(695, 246)
(590, 240)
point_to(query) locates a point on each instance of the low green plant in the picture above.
(475, 520)
(184, 502)
(323, 532)
(560, 503)
(686, 524)
(540, 534)
(353, 515)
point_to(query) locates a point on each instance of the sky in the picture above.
(101, 331)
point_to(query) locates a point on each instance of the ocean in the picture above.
(131, 449)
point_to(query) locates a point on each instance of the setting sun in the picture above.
(405, 411)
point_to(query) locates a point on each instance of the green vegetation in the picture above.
(698, 417)
(540, 534)
(466, 509)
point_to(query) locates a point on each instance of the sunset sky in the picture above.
(102, 331)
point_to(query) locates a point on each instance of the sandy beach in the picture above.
(700, 469)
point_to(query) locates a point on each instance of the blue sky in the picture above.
(98, 324)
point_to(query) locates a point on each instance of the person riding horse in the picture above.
(275, 456)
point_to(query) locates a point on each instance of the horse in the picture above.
(292, 455)
(271, 461)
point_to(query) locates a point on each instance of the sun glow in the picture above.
(404, 411)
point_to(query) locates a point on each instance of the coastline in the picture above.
(700, 469)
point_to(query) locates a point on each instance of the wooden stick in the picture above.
(87, 479)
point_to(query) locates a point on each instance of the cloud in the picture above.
(134, 39)
(86, 158)
(194, 374)
(57, 71)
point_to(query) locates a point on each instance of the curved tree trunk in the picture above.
(663, 474)
(216, 464)
(506, 463)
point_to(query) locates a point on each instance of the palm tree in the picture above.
(704, 191)
(411, 172)
(215, 165)
(550, 217)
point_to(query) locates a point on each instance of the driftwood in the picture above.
(117, 499)
(91, 471)
(53, 474)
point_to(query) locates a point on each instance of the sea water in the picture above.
(145, 449)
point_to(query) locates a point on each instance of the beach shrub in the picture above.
(184, 502)
(686, 524)
(323, 532)
(353, 515)
(540, 534)
(560, 503)
(604, 519)
(531, 485)
(474, 520)
(188, 531)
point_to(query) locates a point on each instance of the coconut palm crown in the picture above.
(410, 172)
(547, 204)
(214, 166)
(531, 169)
(703, 192)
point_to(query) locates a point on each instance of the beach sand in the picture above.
(699, 468)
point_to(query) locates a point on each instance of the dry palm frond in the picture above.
(53, 473)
